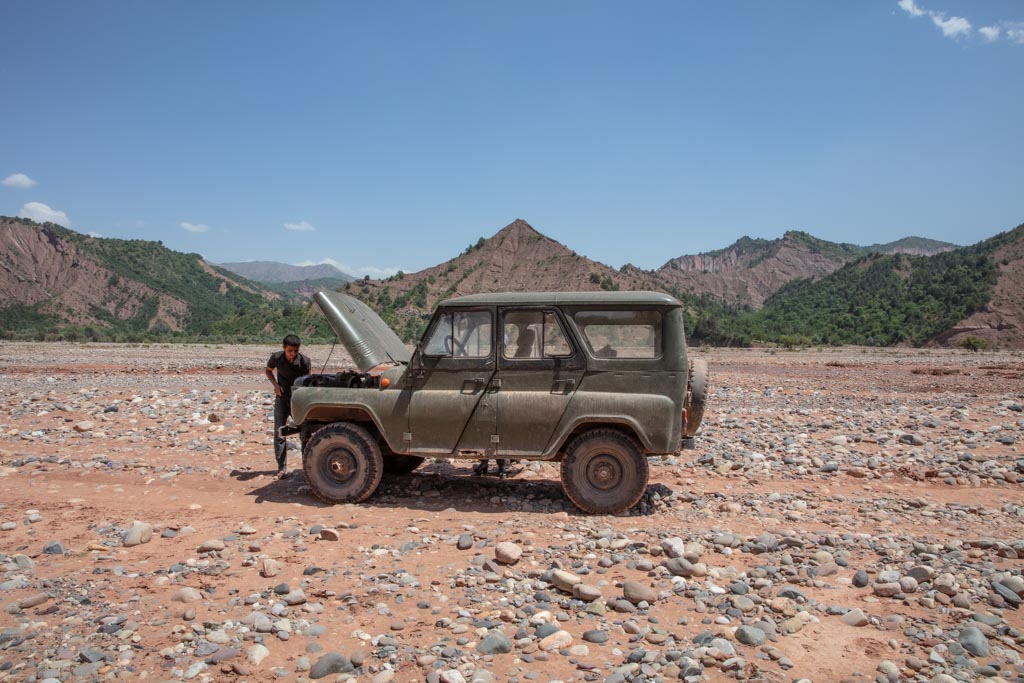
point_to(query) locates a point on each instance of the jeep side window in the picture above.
(460, 335)
(434, 345)
(534, 335)
(555, 343)
(621, 334)
(473, 332)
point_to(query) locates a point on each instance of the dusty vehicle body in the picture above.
(597, 381)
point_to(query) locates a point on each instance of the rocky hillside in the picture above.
(969, 296)
(55, 281)
(59, 284)
(46, 276)
(516, 258)
(751, 270)
(1001, 321)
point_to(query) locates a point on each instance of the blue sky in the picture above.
(392, 135)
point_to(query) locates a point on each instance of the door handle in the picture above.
(562, 386)
(471, 385)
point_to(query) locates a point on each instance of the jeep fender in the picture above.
(326, 405)
(581, 424)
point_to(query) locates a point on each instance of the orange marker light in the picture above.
(385, 383)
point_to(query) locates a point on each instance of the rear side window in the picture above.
(534, 335)
(621, 334)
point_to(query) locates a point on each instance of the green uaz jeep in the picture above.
(597, 381)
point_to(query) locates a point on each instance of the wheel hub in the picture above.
(604, 472)
(341, 465)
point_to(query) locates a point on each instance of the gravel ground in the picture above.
(848, 515)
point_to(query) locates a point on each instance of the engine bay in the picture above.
(346, 379)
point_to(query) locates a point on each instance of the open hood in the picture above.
(368, 339)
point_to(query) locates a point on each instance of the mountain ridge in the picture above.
(750, 270)
(62, 284)
(59, 283)
(275, 272)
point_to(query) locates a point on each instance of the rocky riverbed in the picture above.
(848, 515)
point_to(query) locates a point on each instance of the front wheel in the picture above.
(343, 464)
(604, 472)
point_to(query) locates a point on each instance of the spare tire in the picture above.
(696, 396)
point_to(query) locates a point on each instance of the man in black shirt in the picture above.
(290, 365)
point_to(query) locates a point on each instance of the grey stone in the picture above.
(586, 593)
(295, 597)
(495, 642)
(974, 641)
(854, 617)
(637, 592)
(564, 580)
(750, 635)
(1006, 593)
(54, 548)
(680, 566)
(886, 590)
(330, 663)
(889, 669)
(791, 593)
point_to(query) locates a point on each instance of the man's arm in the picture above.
(273, 380)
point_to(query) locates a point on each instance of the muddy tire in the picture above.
(697, 387)
(395, 463)
(343, 464)
(604, 472)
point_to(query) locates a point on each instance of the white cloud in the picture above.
(1014, 30)
(301, 226)
(989, 33)
(93, 234)
(18, 180)
(193, 227)
(954, 27)
(910, 8)
(41, 213)
(374, 272)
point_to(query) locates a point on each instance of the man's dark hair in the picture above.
(292, 340)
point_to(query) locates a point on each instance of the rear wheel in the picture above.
(343, 464)
(604, 472)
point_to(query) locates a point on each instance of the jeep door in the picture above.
(539, 368)
(448, 407)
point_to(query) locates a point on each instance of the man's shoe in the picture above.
(281, 474)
